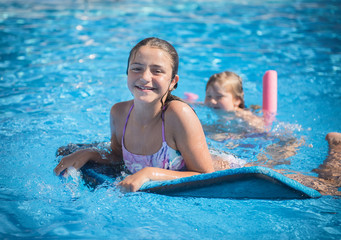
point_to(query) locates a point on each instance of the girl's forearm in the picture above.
(106, 157)
(80, 158)
(159, 174)
(132, 183)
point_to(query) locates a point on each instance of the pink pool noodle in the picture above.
(190, 97)
(269, 96)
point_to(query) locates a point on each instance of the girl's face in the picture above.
(216, 97)
(150, 73)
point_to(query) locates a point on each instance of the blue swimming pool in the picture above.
(62, 66)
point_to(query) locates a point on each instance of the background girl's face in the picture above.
(149, 74)
(217, 97)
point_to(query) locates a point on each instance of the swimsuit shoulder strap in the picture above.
(163, 124)
(125, 125)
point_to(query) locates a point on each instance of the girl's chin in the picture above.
(147, 99)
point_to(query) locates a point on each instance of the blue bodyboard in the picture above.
(238, 183)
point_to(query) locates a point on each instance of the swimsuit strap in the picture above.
(163, 125)
(125, 125)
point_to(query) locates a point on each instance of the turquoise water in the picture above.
(62, 66)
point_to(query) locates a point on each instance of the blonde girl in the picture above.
(225, 91)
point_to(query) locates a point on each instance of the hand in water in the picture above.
(75, 160)
(133, 183)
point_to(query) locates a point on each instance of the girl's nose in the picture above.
(213, 102)
(146, 75)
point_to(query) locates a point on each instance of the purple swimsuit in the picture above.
(166, 157)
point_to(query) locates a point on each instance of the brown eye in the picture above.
(135, 69)
(157, 71)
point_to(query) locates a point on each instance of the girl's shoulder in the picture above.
(180, 122)
(179, 107)
(179, 111)
(119, 112)
(118, 115)
(252, 119)
(121, 107)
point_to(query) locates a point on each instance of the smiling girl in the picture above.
(157, 136)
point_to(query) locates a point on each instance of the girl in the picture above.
(225, 91)
(157, 136)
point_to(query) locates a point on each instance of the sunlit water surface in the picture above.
(62, 66)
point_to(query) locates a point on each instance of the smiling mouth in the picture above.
(145, 88)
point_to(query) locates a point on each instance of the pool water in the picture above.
(62, 66)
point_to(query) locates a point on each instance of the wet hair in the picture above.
(231, 82)
(168, 48)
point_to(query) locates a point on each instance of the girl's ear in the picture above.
(174, 81)
(236, 102)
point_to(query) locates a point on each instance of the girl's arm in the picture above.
(254, 121)
(76, 160)
(188, 137)
(80, 158)
(133, 182)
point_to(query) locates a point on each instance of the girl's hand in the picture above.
(77, 160)
(133, 183)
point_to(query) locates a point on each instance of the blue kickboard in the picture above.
(238, 183)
